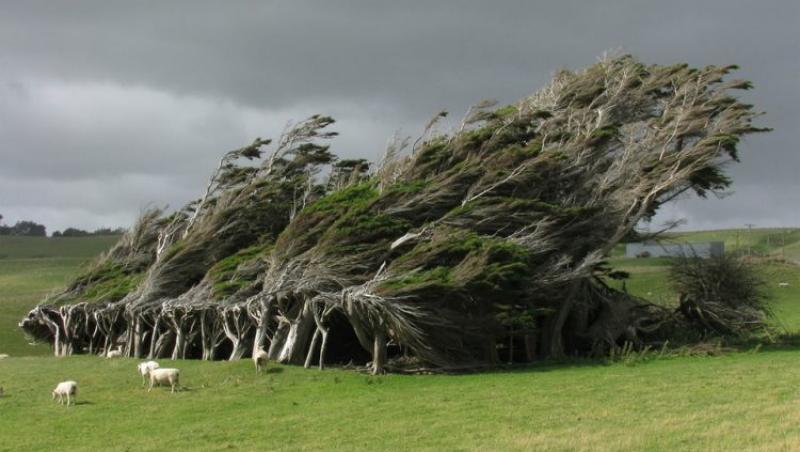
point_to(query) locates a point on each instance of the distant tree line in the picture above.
(33, 229)
(75, 232)
(26, 228)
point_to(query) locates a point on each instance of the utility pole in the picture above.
(738, 249)
(749, 238)
(783, 244)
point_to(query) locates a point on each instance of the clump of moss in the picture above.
(115, 289)
(407, 187)
(107, 282)
(312, 222)
(364, 226)
(505, 112)
(237, 271)
(461, 262)
(423, 278)
(355, 196)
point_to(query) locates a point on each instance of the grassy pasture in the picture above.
(31, 267)
(738, 401)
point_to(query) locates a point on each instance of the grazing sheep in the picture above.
(783, 284)
(162, 376)
(3, 356)
(113, 353)
(65, 388)
(260, 359)
(145, 368)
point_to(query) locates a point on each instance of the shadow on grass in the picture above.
(536, 366)
(782, 343)
(550, 365)
(710, 348)
(273, 370)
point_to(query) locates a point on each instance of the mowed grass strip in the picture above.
(741, 401)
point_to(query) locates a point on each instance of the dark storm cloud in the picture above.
(108, 106)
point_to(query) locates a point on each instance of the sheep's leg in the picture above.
(151, 385)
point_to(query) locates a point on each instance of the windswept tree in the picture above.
(470, 249)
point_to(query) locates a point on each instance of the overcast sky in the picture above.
(108, 107)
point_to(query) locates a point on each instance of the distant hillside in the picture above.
(762, 241)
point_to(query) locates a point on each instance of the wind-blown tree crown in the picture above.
(494, 233)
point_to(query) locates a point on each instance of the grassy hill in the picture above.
(30, 267)
(776, 242)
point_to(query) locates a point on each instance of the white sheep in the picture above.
(260, 359)
(65, 388)
(4, 356)
(161, 376)
(783, 284)
(114, 353)
(146, 367)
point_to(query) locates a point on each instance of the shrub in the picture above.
(722, 294)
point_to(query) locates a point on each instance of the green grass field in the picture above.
(30, 267)
(738, 401)
(745, 400)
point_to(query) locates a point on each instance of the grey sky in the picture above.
(109, 106)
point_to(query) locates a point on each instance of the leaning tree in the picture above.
(445, 254)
